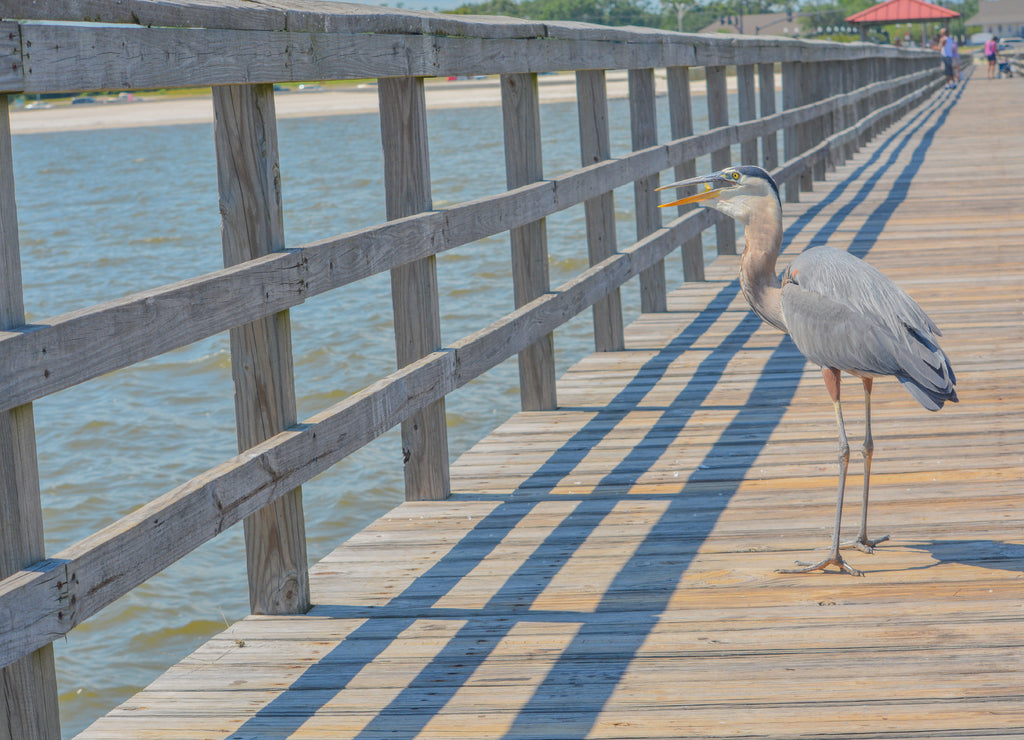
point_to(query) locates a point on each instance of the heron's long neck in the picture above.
(757, 265)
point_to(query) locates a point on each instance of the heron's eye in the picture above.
(735, 175)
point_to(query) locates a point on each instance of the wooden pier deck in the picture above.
(608, 569)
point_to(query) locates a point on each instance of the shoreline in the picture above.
(353, 100)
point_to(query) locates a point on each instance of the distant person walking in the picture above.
(947, 47)
(992, 54)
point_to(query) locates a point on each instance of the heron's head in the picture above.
(735, 191)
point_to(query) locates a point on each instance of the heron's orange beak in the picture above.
(708, 194)
(714, 184)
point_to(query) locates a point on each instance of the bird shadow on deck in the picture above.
(988, 554)
(643, 585)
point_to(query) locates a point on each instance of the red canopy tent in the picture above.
(901, 11)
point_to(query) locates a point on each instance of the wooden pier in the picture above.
(606, 569)
(603, 563)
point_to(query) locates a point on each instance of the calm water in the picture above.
(107, 213)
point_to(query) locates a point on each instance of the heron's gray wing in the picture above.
(847, 280)
(831, 334)
(845, 314)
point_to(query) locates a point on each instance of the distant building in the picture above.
(1000, 17)
(767, 24)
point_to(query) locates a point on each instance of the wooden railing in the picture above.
(835, 97)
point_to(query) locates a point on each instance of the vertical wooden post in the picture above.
(853, 109)
(520, 106)
(403, 126)
(856, 109)
(836, 82)
(883, 68)
(28, 687)
(747, 103)
(680, 113)
(804, 132)
(833, 121)
(818, 131)
(770, 143)
(791, 97)
(718, 115)
(644, 129)
(864, 106)
(595, 146)
(871, 68)
(252, 225)
(850, 109)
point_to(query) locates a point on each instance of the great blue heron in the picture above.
(842, 313)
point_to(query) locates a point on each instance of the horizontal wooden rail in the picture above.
(36, 60)
(42, 603)
(71, 348)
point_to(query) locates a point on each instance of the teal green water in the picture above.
(107, 213)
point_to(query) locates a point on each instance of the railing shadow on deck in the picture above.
(647, 591)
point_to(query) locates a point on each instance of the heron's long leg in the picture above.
(834, 558)
(862, 542)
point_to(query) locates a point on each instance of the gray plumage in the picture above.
(842, 314)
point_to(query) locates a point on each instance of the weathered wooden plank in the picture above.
(28, 687)
(766, 89)
(64, 57)
(320, 16)
(595, 146)
(718, 116)
(403, 121)
(746, 94)
(681, 123)
(310, 16)
(848, 112)
(238, 14)
(792, 97)
(252, 226)
(11, 56)
(530, 278)
(805, 132)
(818, 130)
(644, 132)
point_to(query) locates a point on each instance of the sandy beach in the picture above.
(312, 101)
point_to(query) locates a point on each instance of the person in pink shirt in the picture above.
(991, 53)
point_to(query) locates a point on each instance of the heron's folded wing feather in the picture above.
(848, 280)
(831, 334)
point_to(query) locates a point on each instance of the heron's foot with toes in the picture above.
(863, 544)
(835, 560)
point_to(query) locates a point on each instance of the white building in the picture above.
(1000, 17)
